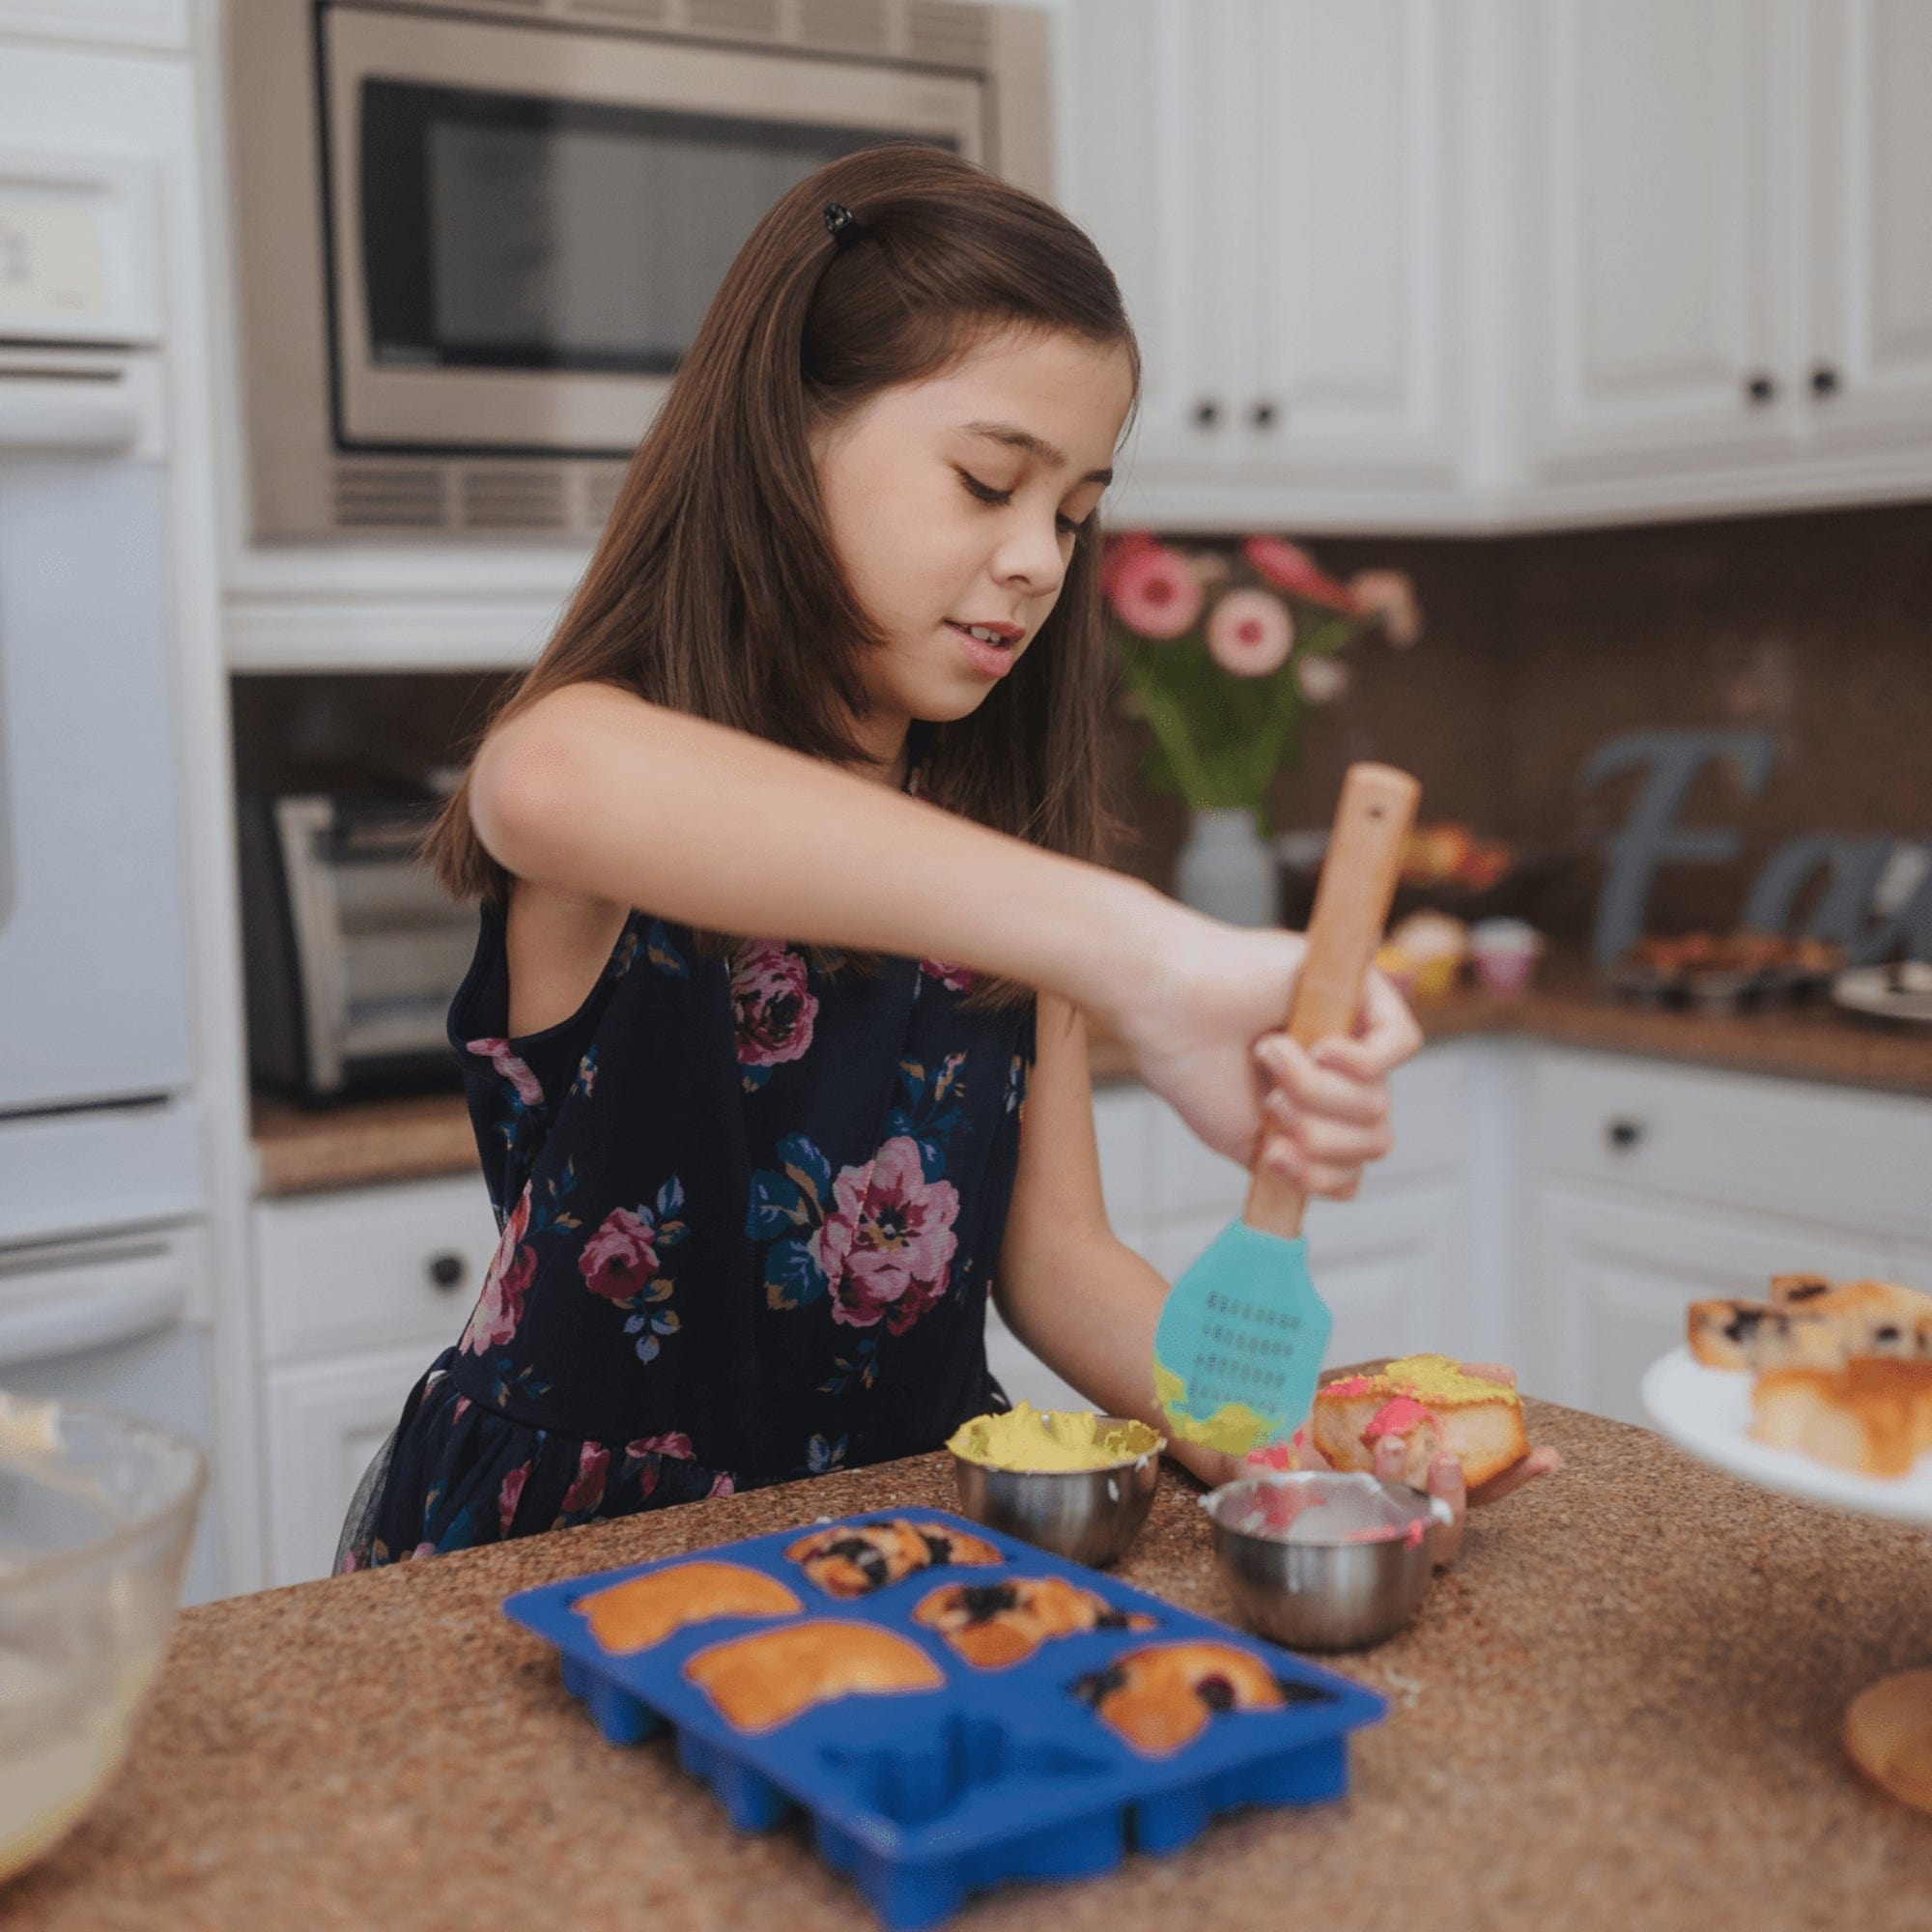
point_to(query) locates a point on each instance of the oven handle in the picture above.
(93, 1300)
(53, 407)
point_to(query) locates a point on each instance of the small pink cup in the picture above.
(1505, 952)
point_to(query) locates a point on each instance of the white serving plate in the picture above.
(1868, 990)
(1707, 1413)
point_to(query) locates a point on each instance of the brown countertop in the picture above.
(1620, 1709)
(302, 1150)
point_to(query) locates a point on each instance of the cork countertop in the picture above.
(1621, 1709)
(301, 1150)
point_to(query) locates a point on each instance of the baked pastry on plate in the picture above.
(1873, 1415)
(1434, 1407)
(1812, 1323)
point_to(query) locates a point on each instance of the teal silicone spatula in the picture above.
(1238, 1349)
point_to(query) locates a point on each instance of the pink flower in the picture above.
(511, 1495)
(721, 1484)
(1154, 592)
(954, 979)
(1321, 680)
(529, 1090)
(887, 1246)
(1250, 632)
(772, 1006)
(586, 1490)
(1389, 596)
(1119, 547)
(499, 1307)
(1289, 567)
(620, 1258)
(676, 1445)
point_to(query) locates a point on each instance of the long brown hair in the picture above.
(715, 588)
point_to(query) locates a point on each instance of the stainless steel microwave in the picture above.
(474, 237)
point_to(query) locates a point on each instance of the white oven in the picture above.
(102, 1198)
(475, 237)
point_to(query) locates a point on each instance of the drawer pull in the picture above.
(1623, 1135)
(446, 1270)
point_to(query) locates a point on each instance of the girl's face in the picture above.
(953, 502)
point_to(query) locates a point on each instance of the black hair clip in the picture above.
(843, 226)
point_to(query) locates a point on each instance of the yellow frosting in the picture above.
(1438, 1379)
(1233, 1428)
(1032, 1439)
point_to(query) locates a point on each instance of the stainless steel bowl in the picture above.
(1089, 1516)
(1319, 1560)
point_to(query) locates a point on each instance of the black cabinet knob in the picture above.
(446, 1270)
(1262, 414)
(1623, 1135)
(1206, 412)
(1761, 389)
(1824, 381)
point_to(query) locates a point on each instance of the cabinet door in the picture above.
(1611, 1277)
(1351, 235)
(1870, 369)
(1268, 181)
(324, 1425)
(1653, 258)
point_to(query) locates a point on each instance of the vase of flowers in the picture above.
(1223, 651)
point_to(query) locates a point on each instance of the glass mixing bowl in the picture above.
(96, 1513)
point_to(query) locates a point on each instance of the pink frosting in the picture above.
(1349, 1385)
(1396, 1418)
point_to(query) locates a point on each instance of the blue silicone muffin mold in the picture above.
(921, 1797)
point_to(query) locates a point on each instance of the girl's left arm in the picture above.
(1081, 1301)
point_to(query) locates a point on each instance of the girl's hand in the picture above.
(1202, 1023)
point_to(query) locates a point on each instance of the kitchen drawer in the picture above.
(371, 1267)
(1803, 1152)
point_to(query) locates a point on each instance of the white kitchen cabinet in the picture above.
(325, 1423)
(1653, 283)
(1269, 180)
(1611, 1277)
(1651, 1187)
(358, 1291)
(1397, 1266)
(1424, 264)
(1869, 373)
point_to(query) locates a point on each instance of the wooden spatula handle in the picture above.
(1373, 820)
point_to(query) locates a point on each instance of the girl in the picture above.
(836, 673)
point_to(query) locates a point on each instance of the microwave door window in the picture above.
(514, 232)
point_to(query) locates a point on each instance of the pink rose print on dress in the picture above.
(676, 1444)
(511, 1495)
(773, 1008)
(587, 1489)
(887, 1245)
(620, 1258)
(499, 1307)
(529, 1090)
(623, 1264)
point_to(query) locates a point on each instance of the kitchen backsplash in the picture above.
(1815, 627)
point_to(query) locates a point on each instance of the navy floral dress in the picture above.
(749, 1209)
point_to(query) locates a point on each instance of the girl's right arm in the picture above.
(594, 790)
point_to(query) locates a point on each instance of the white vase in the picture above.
(1226, 870)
